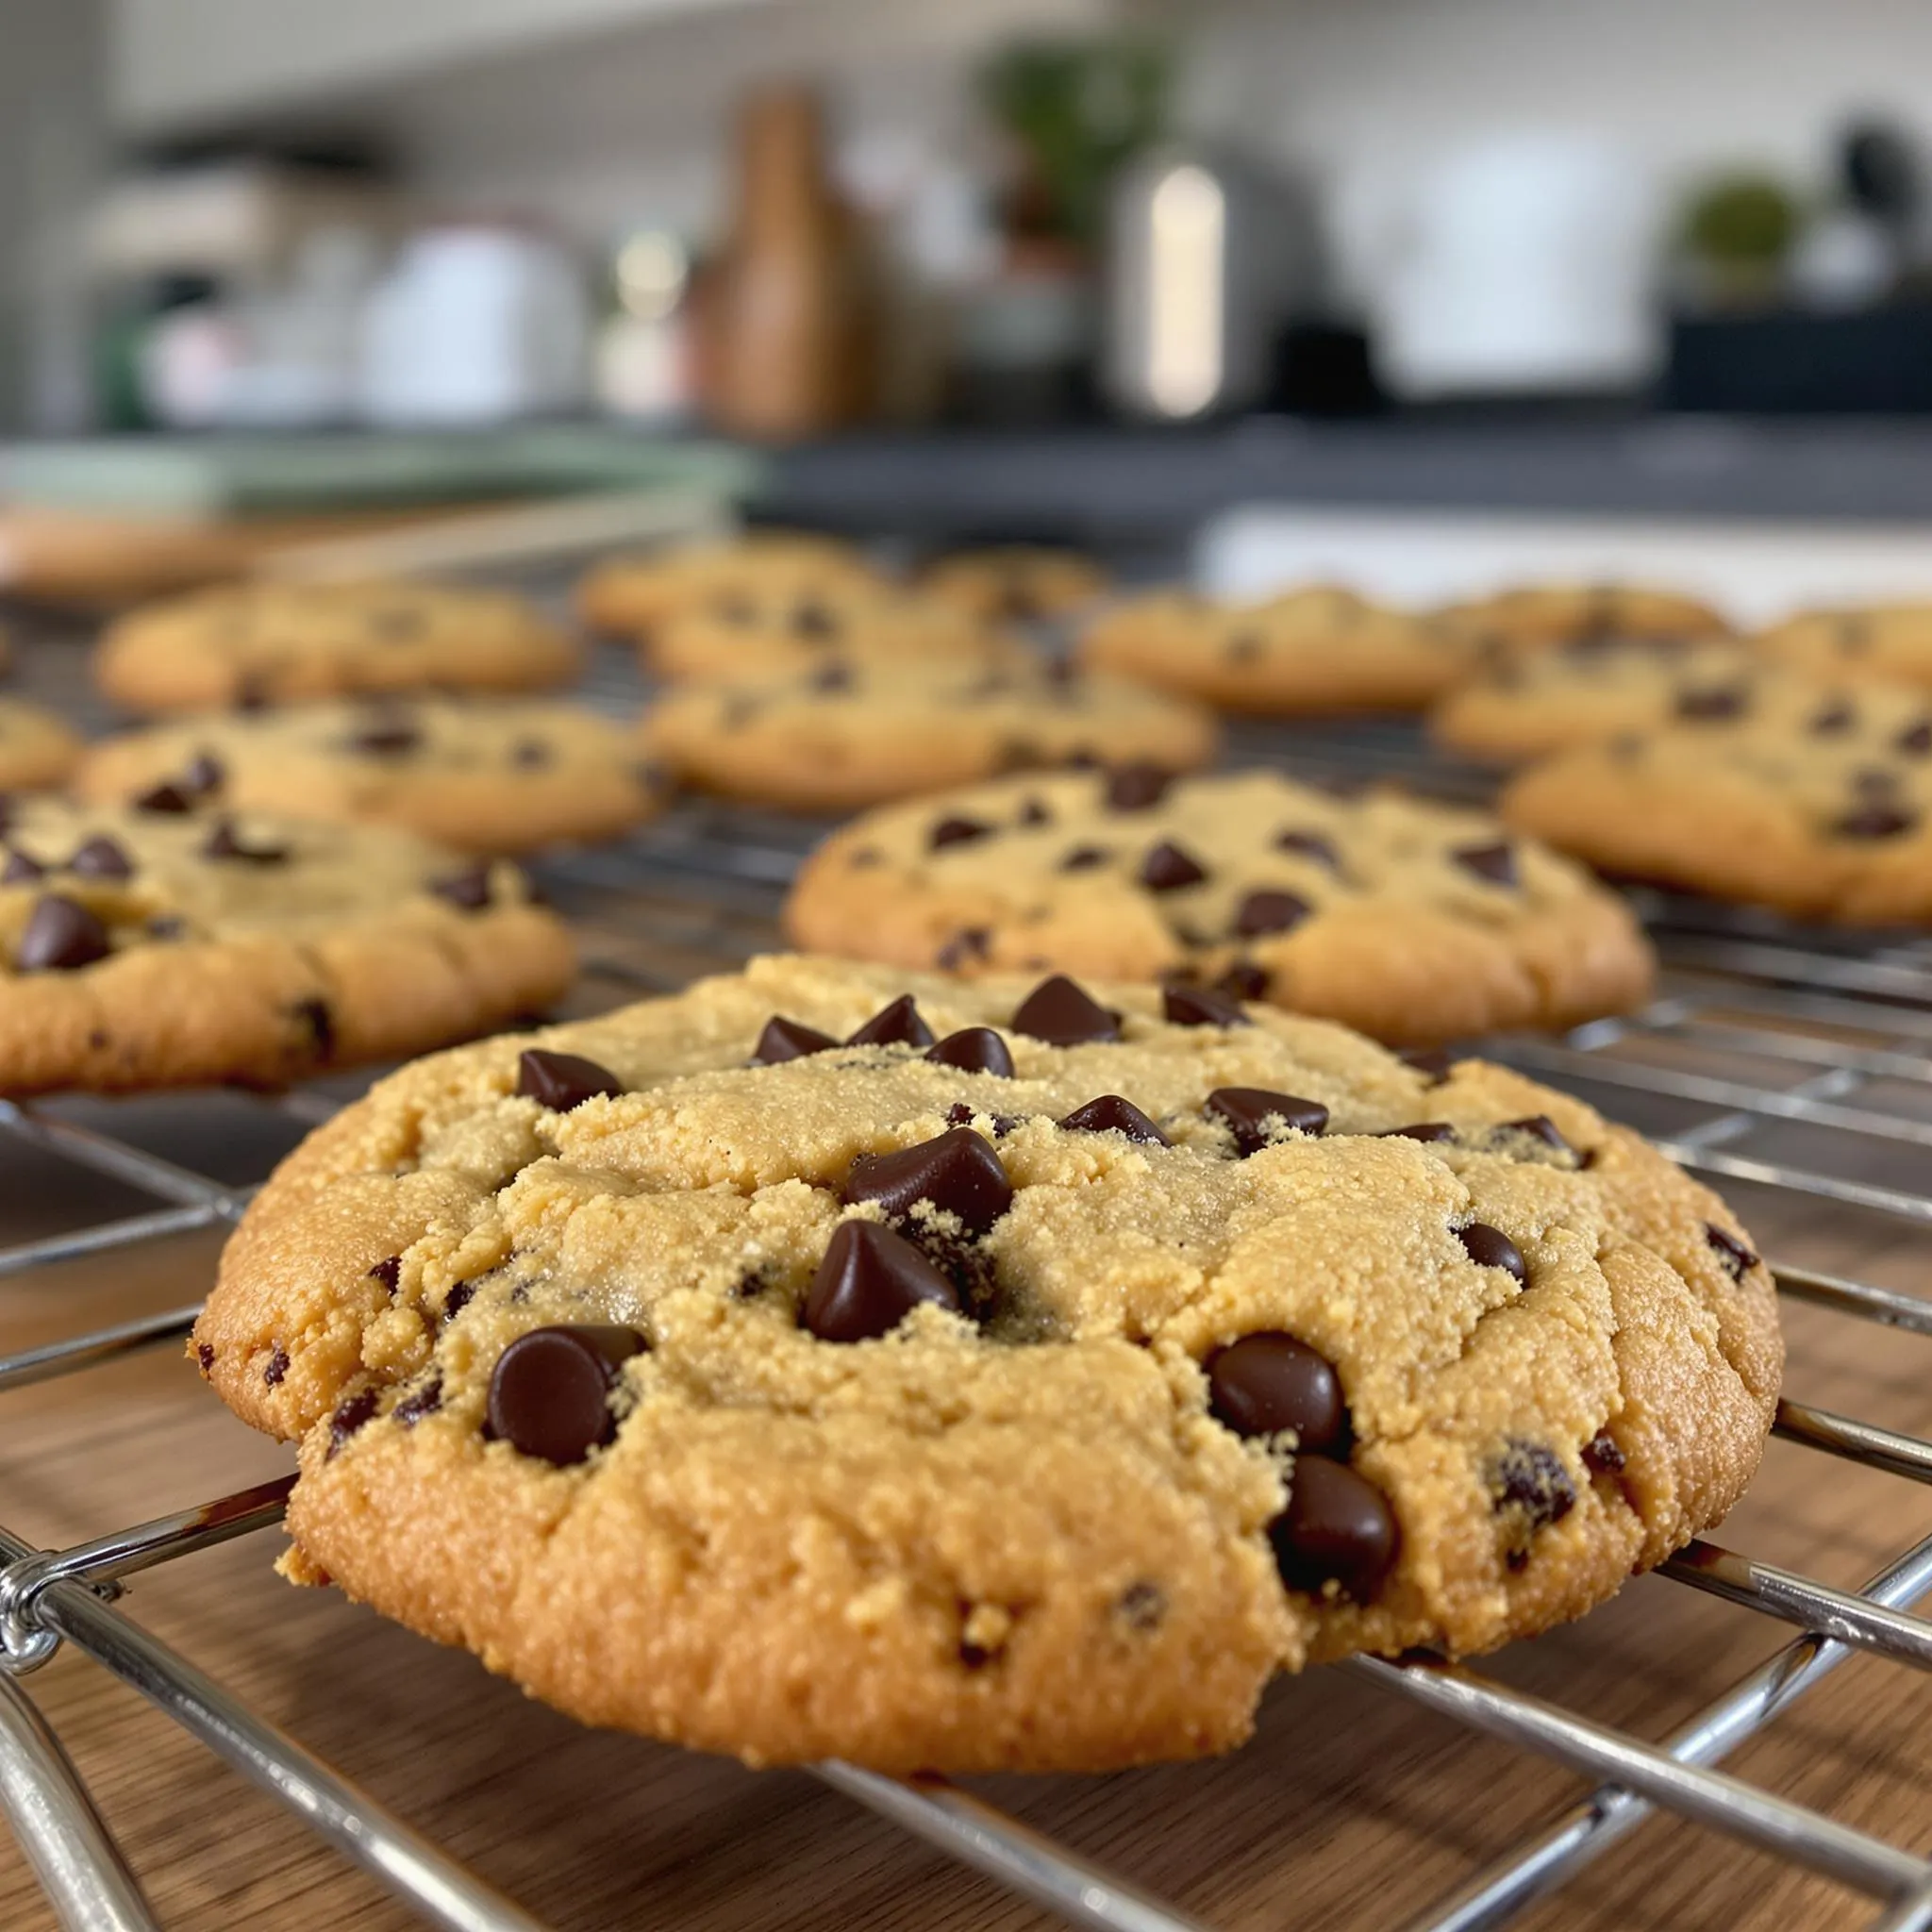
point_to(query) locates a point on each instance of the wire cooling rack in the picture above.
(1793, 1062)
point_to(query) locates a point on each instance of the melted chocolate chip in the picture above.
(563, 1080)
(1712, 703)
(1915, 740)
(1433, 1062)
(1036, 811)
(205, 1355)
(1337, 1528)
(1832, 721)
(1269, 1382)
(1269, 912)
(1737, 1259)
(968, 942)
(224, 843)
(1167, 867)
(205, 773)
(1309, 845)
(958, 1174)
(788, 1040)
(1540, 1127)
(418, 1402)
(1063, 1014)
(956, 831)
(319, 1024)
(277, 1367)
(1601, 1454)
(1529, 1477)
(1255, 1114)
(1110, 1115)
(1196, 1005)
(550, 1391)
(1418, 1131)
(100, 857)
(350, 1417)
(869, 1282)
(974, 1050)
(165, 799)
(1495, 863)
(897, 1024)
(1085, 858)
(457, 1299)
(814, 621)
(1875, 821)
(20, 870)
(1136, 786)
(1245, 980)
(391, 739)
(60, 935)
(1489, 1247)
(389, 1273)
(469, 890)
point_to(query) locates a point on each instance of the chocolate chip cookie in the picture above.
(1826, 816)
(630, 596)
(1018, 583)
(1525, 706)
(1535, 616)
(503, 777)
(847, 735)
(1886, 641)
(832, 1362)
(37, 749)
(179, 943)
(1413, 922)
(1309, 652)
(248, 645)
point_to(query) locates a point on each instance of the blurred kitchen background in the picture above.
(1078, 268)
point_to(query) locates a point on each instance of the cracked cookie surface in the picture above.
(832, 1361)
(488, 775)
(181, 945)
(1413, 922)
(243, 644)
(847, 736)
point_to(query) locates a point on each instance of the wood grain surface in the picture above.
(1350, 1808)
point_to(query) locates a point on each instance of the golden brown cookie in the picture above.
(178, 946)
(632, 595)
(847, 736)
(1888, 642)
(1306, 653)
(37, 749)
(1537, 616)
(1413, 922)
(503, 777)
(246, 645)
(1016, 1386)
(1015, 583)
(1827, 814)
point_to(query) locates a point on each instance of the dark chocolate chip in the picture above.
(1085, 858)
(166, 799)
(319, 1023)
(1601, 1454)
(1197, 1006)
(958, 1173)
(968, 942)
(389, 1273)
(832, 677)
(205, 1355)
(1337, 1528)
(1252, 1113)
(100, 857)
(1310, 845)
(457, 1299)
(1875, 821)
(1418, 1131)
(1110, 1115)
(165, 925)
(563, 1080)
(1870, 781)
(20, 870)
(1167, 868)
(1245, 980)
(814, 620)
(788, 1040)
(1737, 1259)
(1489, 1247)
(974, 1050)
(1142, 1607)
(1036, 811)
(956, 831)
(869, 1282)
(1915, 740)
(60, 935)
(389, 739)
(469, 890)
(1269, 1382)
(253, 691)
(224, 843)
(1063, 1014)
(1832, 721)
(1496, 862)
(1269, 911)
(350, 1417)
(530, 753)
(277, 1367)
(1712, 703)
(962, 1114)
(1540, 1127)
(1136, 786)
(898, 1025)
(550, 1391)
(418, 1402)
(1432, 1062)
(205, 773)
(1531, 1478)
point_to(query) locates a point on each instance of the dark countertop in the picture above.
(1099, 484)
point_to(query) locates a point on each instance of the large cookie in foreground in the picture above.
(173, 947)
(1413, 922)
(283, 643)
(1017, 1385)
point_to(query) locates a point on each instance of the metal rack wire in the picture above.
(1777, 1058)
